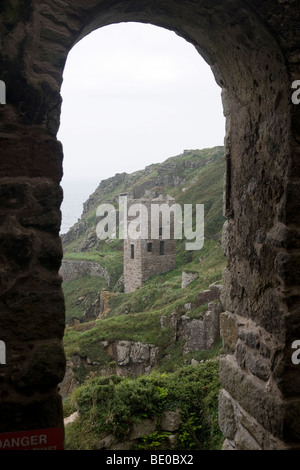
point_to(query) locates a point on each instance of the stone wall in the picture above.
(31, 303)
(146, 264)
(71, 270)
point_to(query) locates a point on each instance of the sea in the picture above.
(75, 194)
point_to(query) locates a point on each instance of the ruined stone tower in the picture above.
(146, 256)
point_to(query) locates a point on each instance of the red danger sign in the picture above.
(41, 439)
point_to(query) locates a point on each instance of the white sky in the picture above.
(134, 94)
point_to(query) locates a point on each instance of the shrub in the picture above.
(112, 404)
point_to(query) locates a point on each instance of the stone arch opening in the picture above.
(253, 58)
(156, 103)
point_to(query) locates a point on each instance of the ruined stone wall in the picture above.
(253, 50)
(71, 270)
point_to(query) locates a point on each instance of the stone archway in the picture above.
(253, 49)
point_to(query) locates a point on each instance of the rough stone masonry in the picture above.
(146, 257)
(253, 49)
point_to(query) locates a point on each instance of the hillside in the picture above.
(110, 333)
(193, 177)
(196, 177)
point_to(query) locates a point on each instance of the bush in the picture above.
(112, 404)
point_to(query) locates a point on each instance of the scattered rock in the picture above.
(107, 442)
(171, 420)
(144, 428)
(188, 278)
(71, 418)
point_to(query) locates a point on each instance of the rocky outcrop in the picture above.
(154, 176)
(201, 334)
(86, 234)
(187, 278)
(200, 330)
(69, 383)
(198, 334)
(213, 293)
(132, 358)
(128, 358)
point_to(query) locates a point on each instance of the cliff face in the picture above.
(176, 176)
(169, 174)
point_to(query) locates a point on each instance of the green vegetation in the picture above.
(80, 295)
(110, 256)
(160, 296)
(200, 176)
(111, 405)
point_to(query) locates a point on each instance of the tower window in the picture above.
(162, 248)
(149, 247)
(132, 251)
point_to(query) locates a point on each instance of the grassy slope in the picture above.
(161, 295)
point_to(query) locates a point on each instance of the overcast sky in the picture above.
(134, 94)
